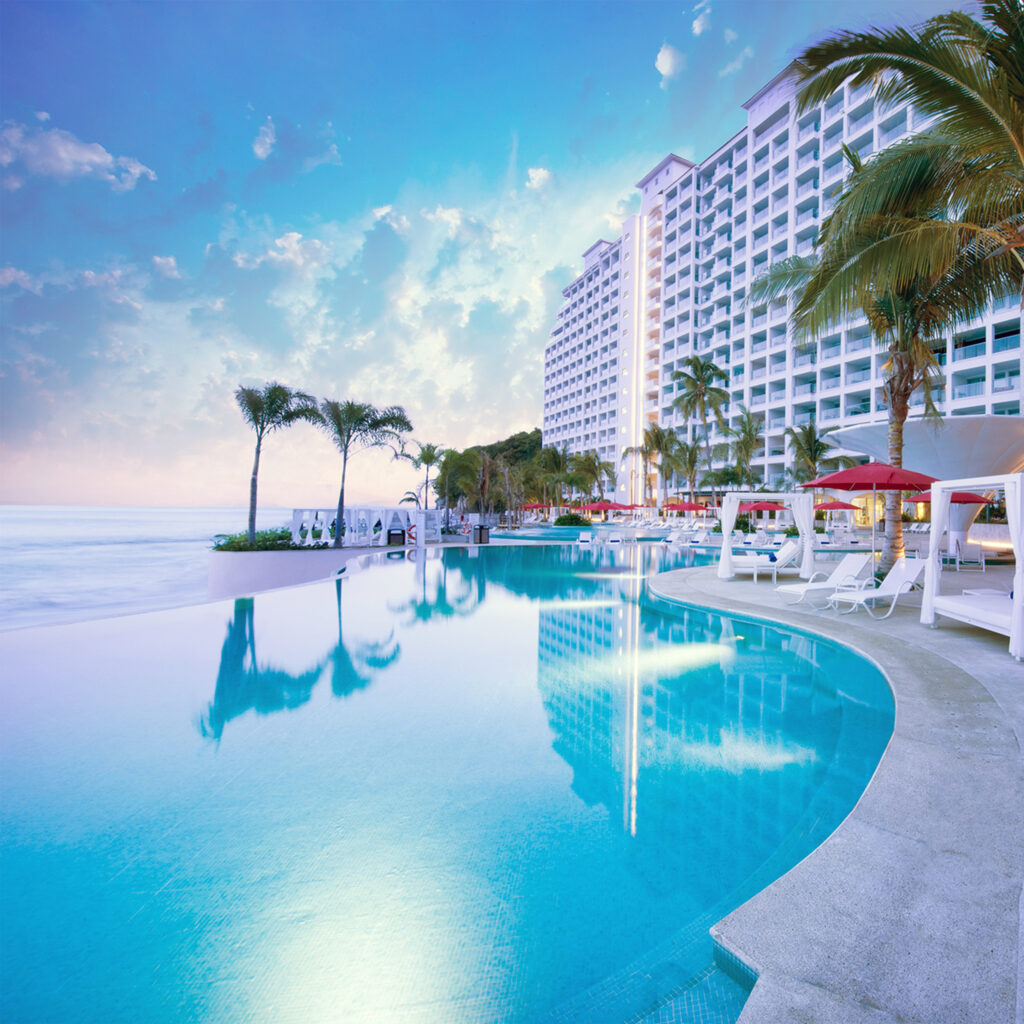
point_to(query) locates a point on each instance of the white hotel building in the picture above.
(674, 284)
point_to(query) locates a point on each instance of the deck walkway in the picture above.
(912, 909)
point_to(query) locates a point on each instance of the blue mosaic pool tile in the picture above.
(730, 964)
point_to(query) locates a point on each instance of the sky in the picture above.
(371, 201)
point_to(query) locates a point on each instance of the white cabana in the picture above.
(800, 503)
(999, 612)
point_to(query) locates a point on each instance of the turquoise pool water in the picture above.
(502, 785)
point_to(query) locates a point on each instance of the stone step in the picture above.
(711, 998)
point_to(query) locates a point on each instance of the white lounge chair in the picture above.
(970, 556)
(585, 538)
(902, 577)
(784, 558)
(614, 538)
(846, 571)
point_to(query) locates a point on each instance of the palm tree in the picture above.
(658, 453)
(951, 198)
(701, 397)
(353, 426)
(591, 471)
(483, 482)
(664, 444)
(554, 465)
(811, 452)
(747, 442)
(646, 453)
(266, 410)
(457, 477)
(509, 484)
(689, 455)
(429, 455)
(905, 319)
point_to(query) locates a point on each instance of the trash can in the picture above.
(481, 535)
(396, 538)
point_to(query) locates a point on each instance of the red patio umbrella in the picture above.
(762, 506)
(956, 498)
(534, 505)
(603, 506)
(683, 506)
(879, 476)
(835, 506)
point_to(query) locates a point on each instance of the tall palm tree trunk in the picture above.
(707, 451)
(893, 548)
(252, 491)
(340, 518)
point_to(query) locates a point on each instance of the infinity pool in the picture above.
(499, 785)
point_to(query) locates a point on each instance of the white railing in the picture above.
(366, 525)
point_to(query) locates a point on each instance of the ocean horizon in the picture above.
(68, 563)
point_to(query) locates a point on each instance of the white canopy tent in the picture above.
(1001, 613)
(800, 503)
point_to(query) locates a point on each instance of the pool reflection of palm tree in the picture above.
(243, 684)
(424, 607)
(353, 668)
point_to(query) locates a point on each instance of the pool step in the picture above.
(711, 998)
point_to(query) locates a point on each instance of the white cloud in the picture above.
(449, 216)
(329, 156)
(730, 36)
(397, 220)
(263, 144)
(669, 63)
(703, 20)
(304, 255)
(167, 266)
(42, 115)
(733, 66)
(55, 153)
(537, 177)
(13, 276)
(429, 317)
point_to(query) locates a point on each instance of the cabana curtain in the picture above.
(803, 515)
(1013, 489)
(802, 506)
(933, 570)
(730, 506)
(1015, 520)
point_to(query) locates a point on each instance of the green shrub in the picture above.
(742, 523)
(571, 519)
(792, 531)
(266, 540)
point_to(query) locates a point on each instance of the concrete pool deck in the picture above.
(912, 910)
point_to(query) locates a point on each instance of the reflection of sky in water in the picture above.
(458, 790)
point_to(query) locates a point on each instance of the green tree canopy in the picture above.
(268, 409)
(355, 426)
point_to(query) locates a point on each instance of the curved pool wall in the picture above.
(569, 534)
(496, 785)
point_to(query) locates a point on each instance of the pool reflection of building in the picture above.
(737, 744)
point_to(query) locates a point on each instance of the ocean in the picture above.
(64, 564)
